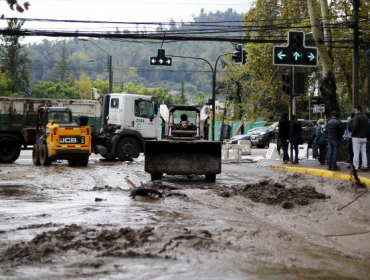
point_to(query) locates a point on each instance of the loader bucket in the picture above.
(183, 158)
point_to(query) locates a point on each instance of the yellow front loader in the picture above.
(59, 137)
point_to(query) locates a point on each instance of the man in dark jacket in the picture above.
(284, 130)
(335, 135)
(359, 140)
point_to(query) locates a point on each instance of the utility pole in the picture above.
(355, 69)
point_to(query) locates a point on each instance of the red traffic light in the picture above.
(285, 78)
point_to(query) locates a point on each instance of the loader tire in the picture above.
(83, 161)
(156, 176)
(127, 148)
(211, 178)
(45, 160)
(9, 150)
(36, 155)
(73, 162)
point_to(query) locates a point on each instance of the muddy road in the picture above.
(60, 222)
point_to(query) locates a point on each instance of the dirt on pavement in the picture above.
(253, 223)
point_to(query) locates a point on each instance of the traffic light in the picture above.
(238, 54)
(161, 59)
(297, 40)
(286, 83)
(244, 55)
(295, 53)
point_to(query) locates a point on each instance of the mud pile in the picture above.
(147, 242)
(269, 192)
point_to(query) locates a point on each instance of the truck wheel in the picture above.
(211, 178)
(9, 150)
(156, 176)
(127, 148)
(36, 155)
(44, 156)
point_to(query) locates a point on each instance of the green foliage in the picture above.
(54, 90)
(200, 99)
(84, 86)
(15, 60)
(162, 94)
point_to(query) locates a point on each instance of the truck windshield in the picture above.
(143, 109)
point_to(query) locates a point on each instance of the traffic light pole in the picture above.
(291, 114)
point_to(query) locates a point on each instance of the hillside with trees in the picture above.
(251, 91)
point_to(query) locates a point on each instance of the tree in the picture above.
(200, 99)
(62, 71)
(54, 90)
(84, 86)
(15, 59)
(328, 86)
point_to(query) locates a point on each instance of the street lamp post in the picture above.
(109, 64)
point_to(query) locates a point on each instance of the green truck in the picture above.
(18, 120)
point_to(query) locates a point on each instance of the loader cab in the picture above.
(52, 115)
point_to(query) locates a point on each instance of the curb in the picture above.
(322, 173)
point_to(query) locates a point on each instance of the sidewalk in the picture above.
(313, 167)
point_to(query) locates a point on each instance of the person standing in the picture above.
(335, 135)
(348, 137)
(297, 137)
(283, 133)
(321, 140)
(359, 140)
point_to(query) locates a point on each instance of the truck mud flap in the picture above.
(182, 157)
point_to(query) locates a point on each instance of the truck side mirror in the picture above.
(155, 108)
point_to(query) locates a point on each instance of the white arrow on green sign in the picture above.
(311, 56)
(281, 55)
(296, 55)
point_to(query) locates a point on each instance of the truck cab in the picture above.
(127, 121)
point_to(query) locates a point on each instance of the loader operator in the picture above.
(184, 121)
(55, 118)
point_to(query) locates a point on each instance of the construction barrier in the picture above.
(302, 151)
(272, 152)
(246, 147)
(231, 153)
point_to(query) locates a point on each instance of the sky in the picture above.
(115, 11)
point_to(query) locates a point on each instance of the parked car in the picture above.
(246, 136)
(263, 136)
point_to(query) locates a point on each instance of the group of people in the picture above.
(284, 136)
(331, 135)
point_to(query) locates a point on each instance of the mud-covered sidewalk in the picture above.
(253, 223)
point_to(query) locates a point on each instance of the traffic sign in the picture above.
(161, 59)
(165, 61)
(319, 108)
(295, 53)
